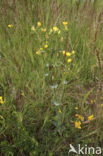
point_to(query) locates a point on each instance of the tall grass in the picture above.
(45, 95)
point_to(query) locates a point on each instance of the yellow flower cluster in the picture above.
(80, 117)
(1, 100)
(78, 124)
(92, 101)
(55, 29)
(39, 51)
(68, 54)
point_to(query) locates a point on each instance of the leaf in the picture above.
(59, 2)
(31, 56)
(86, 96)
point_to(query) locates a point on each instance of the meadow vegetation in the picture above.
(51, 76)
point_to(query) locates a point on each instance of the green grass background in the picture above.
(36, 87)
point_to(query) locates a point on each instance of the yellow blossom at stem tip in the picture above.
(63, 52)
(90, 117)
(68, 54)
(78, 124)
(10, 26)
(45, 46)
(39, 24)
(76, 115)
(69, 60)
(60, 111)
(76, 108)
(41, 49)
(1, 100)
(37, 52)
(65, 23)
(33, 28)
(55, 28)
(81, 117)
(73, 52)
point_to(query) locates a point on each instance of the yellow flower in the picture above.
(73, 52)
(101, 105)
(76, 108)
(63, 52)
(78, 124)
(91, 101)
(68, 54)
(55, 28)
(60, 111)
(90, 117)
(1, 100)
(33, 28)
(41, 49)
(69, 60)
(81, 117)
(39, 24)
(10, 26)
(65, 23)
(76, 115)
(43, 29)
(45, 46)
(38, 52)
